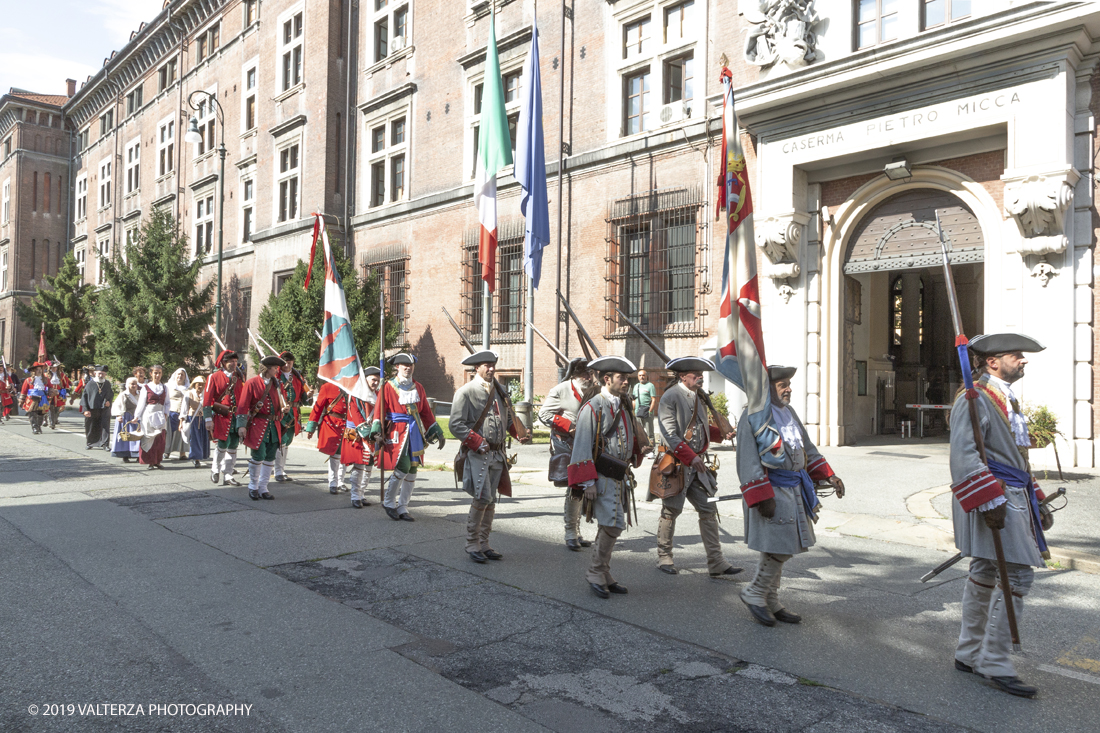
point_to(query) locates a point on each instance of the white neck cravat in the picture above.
(1015, 419)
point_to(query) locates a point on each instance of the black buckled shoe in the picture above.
(392, 513)
(583, 542)
(670, 569)
(492, 554)
(786, 616)
(761, 614)
(231, 482)
(728, 571)
(477, 556)
(357, 504)
(618, 588)
(216, 478)
(963, 667)
(573, 545)
(280, 479)
(334, 489)
(253, 495)
(1014, 686)
(406, 517)
(267, 495)
(600, 590)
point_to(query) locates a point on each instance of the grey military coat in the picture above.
(673, 418)
(482, 474)
(618, 433)
(972, 537)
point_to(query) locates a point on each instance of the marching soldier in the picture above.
(259, 425)
(481, 418)
(404, 417)
(1000, 494)
(686, 432)
(606, 444)
(36, 398)
(780, 505)
(356, 452)
(296, 392)
(328, 419)
(219, 406)
(559, 412)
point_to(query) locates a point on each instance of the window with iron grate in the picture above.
(510, 296)
(391, 265)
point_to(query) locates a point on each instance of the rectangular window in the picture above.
(876, 22)
(34, 193)
(679, 79)
(511, 292)
(636, 38)
(250, 99)
(82, 197)
(391, 268)
(103, 253)
(381, 39)
(207, 117)
(378, 183)
(7, 146)
(637, 112)
(82, 140)
(653, 246)
(106, 122)
(289, 163)
(248, 196)
(166, 148)
(939, 12)
(166, 76)
(5, 211)
(134, 100)
(133, 166)
(204, 224)
(249, 12)
(104, 183)
(207, 43)
(81, 261)
(4, 270)
(391, 29)
(678, 21)
(388, 174)
(397, 178)
(291, 42)
(46, 192)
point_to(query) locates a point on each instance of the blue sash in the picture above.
(1022, 479)
(416, 440)
(790, 479)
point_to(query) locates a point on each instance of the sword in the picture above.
(962, 346)
(941, 567)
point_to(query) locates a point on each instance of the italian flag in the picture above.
(494, 152)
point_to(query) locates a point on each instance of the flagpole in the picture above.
(529, 340)
(561, 151)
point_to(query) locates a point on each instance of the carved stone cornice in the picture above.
(778, 237)
(1037, 202)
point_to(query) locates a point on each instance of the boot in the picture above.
(777, 609)
(473, 530)
(389, 500)
(280, 463)
(975, 614)
(355, 498)
(265, 475)
(227, 468)
(666, 529)
(215, 465)
(572, 522)
(599, 572)
(407, 486)
(253, 480)
(755, 595)
(716, 562)
(993, 658)
(484, 530)
(334, 474)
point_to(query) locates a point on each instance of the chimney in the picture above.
(70, 87)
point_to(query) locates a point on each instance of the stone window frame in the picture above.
(106, 179)
(291, 75)
(252, 66)
(103, 252)
(386, 11)
(857, 22)
(4, 268)
(388, 154)
(80, 254)
(82, 197)
(166, 147)
(205, 207)
(5, 202)
(475, 84)
(281, 177)
(207, 117)
(131, 156)
(247, 203)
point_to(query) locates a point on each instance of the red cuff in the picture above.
(512, 430)
(473, 441)
(685, 454)
(1038, 492)
(977, 490)
(562, 423)
(757, 491)
(580, 472)
(716, 435)
(819, 470)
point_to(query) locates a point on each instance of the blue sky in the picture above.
(43, 42)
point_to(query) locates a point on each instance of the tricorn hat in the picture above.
(286, 356)
(485, 356)
(404, 358)
(225, 356)
(272, 361)
(371, 372)
(619, 364)
(576, 365)
(100, 367)
(777, 372)
(989, 344)
(690, 364)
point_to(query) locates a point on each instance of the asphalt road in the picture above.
(129, 586)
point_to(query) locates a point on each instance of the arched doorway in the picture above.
(896, 334)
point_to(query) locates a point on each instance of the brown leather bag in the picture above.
(666, 476)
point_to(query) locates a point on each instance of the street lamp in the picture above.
(193, 135)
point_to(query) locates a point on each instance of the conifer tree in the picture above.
(288, 321)
(152, 309)
(65, 305)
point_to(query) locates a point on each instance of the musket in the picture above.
(265, 343)
(580, 328)
(257, 344)
(213, 333)
(962, 347)
(557, 352)
(465, 341)
(380, 444)
(720, 420)
(318, 334)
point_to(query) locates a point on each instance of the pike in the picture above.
(557, 352)
(581, 329)
(720, 420)
(962, 347)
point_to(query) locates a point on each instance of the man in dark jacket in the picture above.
(95, 403)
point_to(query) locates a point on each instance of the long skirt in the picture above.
(152, 445)
(198, 439)
(123, 448)
(175, 436)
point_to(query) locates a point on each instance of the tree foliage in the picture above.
(65, 305)
(153, 310)
(289, 320)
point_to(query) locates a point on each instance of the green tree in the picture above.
(65, 305)
(153, 310)
(288, 320)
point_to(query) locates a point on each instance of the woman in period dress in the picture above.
(153, 418)
(178, 386)
(122, 410)
(198, 440)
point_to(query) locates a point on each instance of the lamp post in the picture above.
(195, 136)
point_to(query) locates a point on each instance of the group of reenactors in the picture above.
(41, 394)
(598, 438)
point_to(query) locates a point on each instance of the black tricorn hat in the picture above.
(990, 344)
(271, 361)
(777, 372)
(371, 372)
(611, 363)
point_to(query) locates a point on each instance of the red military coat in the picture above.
(355, 449)
(220, 391)
(259, 396)
(5, 391)
(299, 386)
(330, 413)
(396, 432)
